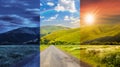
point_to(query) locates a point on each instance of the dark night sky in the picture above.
(19, 13)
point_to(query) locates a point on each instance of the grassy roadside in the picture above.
(100, 55)
(73, 50)
(43, 47)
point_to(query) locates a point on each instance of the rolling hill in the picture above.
(104, 33)
(44, 30)
(66, 35)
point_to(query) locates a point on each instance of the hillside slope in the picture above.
(100, 33)
(64, 36)
(44, 30)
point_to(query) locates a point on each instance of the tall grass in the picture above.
(101, 56)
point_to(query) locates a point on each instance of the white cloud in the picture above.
(60, 25)
(70, 18)
(59, 8)
(66, 5)
(35, 10)
(50, 4)
(52, 18)
(47, 20)
(75, 21)
(42, 17)
(41, 4)
(66, 18)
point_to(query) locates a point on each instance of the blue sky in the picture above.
(19, 13)
(60, 13)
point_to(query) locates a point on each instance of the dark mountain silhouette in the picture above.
(21, 36)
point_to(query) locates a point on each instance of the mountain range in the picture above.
(21, 36)
(96, 34)
(27, 35)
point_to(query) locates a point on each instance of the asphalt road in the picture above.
(53, 57)
(31, 61)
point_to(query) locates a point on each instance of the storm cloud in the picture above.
(19, 13)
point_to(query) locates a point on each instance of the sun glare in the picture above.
(89, 19)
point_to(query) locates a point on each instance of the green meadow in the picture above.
(65, 36)
(43, 47)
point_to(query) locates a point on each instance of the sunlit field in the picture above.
(73, 50)
(100, 56)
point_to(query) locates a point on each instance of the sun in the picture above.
(89, 19)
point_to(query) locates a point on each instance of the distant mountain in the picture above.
(100, 34)
(44, 30)
(20, 36)
(67, 36)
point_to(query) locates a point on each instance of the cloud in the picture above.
(18, 20)
(19, 13)
(50, 3)
(66, 5)
(12, 19)
(41, 4)
(54, 17)
(33, 11)
(60, 25)
(6, 6)
(51, 18)
(59, 8)
(70, 18)
(66, 18)
(76, 23)
(8, 1)
(41, 17)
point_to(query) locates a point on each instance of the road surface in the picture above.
(31, 61)
(53, 57)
